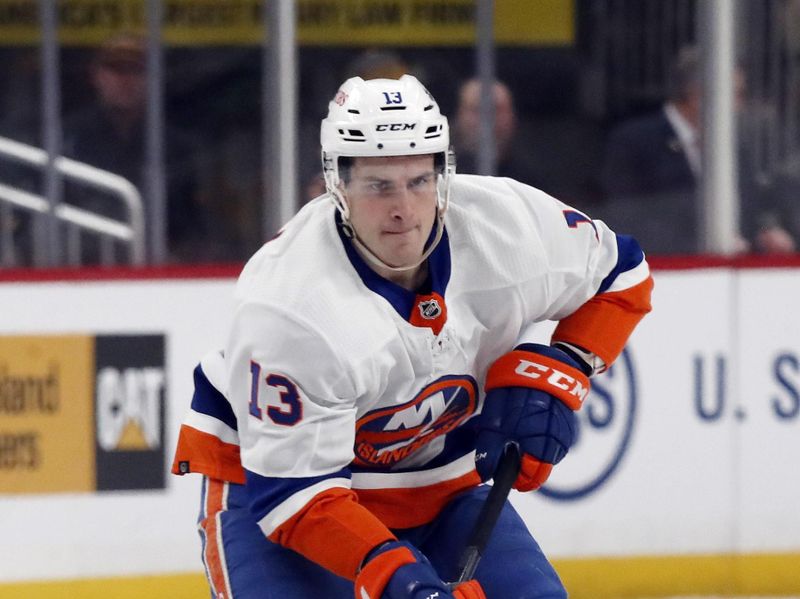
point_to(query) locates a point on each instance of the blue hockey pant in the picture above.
(241, 563)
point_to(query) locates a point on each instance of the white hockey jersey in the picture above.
(340, 380)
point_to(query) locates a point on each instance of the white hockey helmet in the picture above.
(385, 117)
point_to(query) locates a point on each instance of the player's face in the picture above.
(392, 203)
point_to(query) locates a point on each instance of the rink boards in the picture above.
(684, 479)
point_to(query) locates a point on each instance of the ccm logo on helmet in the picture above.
(554, 378)
(395, 127)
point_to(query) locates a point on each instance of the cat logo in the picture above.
(396, 127)
(430, 309)
(129, 408)
(387, 436)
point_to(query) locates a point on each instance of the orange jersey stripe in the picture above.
(205, 453)
(334, 531)
(405, 508)
(603, 324)
(213, 557)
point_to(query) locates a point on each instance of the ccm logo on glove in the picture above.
(526, 369)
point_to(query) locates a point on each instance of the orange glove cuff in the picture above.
(375, 575)
(521, 368)
(532, 474)
(469, 590)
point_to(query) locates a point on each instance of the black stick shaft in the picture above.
(504, 477)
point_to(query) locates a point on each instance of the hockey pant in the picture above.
(241, 563)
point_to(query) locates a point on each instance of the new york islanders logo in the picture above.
(388, 436)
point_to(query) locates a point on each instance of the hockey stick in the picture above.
(504, 477)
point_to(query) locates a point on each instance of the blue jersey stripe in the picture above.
(208, 400)
(267, 493)
(629, 256)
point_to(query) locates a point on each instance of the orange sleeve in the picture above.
(334, 531)
(207, 454)
(603, 324)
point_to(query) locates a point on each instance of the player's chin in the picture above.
(402, 244)
(399, 257)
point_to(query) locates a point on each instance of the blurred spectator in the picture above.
(784, 207)
(232, 192)
(110, 134)
(512, 159)
(652, 167)
(782, 180)
(375, 63)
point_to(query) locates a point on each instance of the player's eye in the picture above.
(380, 186)
(420, 181)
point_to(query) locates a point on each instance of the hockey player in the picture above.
(382, 356)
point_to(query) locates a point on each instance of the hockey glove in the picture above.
(397, 570)
(532, 394)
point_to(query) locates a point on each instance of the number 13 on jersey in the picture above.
(290, 410)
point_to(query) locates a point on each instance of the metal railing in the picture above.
(130, 232)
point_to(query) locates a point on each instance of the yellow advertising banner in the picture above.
(319, 22)
(47, 441)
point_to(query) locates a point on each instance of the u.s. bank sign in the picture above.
(605, 427)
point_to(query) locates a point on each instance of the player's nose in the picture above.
(402, 203)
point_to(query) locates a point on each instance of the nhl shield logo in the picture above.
(430, 309)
